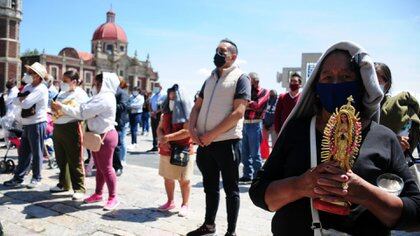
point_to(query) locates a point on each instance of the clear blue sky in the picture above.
(181, 35)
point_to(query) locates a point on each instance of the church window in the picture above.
(109, 48)
(14, 4)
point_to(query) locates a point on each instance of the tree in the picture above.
(29, 52)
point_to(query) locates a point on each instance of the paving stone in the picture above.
(11, 228)
(140, 190)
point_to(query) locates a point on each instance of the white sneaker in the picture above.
(183, 212)
(57, 189)
(78, 196)
(33, 184)
(131, 146)
(124, 163)
(88, 171)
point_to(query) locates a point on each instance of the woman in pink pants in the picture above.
(99, 113)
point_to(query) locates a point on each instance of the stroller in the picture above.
(12, 132)
(12, 129)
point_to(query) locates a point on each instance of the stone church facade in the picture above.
(108, 54)
(10, 18)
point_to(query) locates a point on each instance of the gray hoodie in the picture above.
(100, 110)
(306, 106)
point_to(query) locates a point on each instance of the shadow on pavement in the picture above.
(243, 188)
(50, 209)
(137, 215)
(139, 152)
(29, 196)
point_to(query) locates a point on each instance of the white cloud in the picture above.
(204, 72)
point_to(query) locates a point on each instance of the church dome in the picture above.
(110, 30)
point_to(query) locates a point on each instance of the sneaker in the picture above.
(94, 198)
(118, 172)
(230, 234)
(124, 163)
(203, 230)
(58, 189)
(132, 147)
(33, 184)
(245, 180)
(183, 211)
(155, 149)
(12, 183)
(111, 204)
(167, 206)
(78, 196)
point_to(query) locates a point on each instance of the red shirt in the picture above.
(256, 107)
(285, 104)
(169, 128)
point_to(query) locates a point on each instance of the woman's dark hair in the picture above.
(99, 77)
(298, 76)
(174, 88)
(73, 75)
(382, 67)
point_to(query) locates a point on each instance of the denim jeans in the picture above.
(145, 117)
(135, 120)
(251, 155)
(31, 150)
(121, 142)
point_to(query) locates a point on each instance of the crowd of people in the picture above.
(233, 120)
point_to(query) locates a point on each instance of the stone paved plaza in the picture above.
(140, 189)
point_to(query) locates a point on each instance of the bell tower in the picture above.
(10, 18)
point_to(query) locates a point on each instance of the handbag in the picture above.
(92, 141)
(180, 156)
(28, 112)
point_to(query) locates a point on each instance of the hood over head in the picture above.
(110, 83)
(307, 104)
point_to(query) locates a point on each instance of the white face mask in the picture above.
(171, 105)
(156, 90)
(382, 87)
(135, 93)
(64, 87)
(28, 79)
(94, 91)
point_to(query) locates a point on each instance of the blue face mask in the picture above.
(333, 96)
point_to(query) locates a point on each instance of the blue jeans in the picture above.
(31, 149)
(135, 120)
(251, 155)
(121, 142)
(145, 117)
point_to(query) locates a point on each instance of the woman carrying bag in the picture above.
(67, 137)
(99, 113)
(175, 149)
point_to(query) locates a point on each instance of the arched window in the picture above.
(109, 48)
(14, 4)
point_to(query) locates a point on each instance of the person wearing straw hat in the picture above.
(34, 102)
(293, 180)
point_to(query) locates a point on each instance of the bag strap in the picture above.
(316, 223)
(103, 138)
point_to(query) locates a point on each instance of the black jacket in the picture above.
(122, 108)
